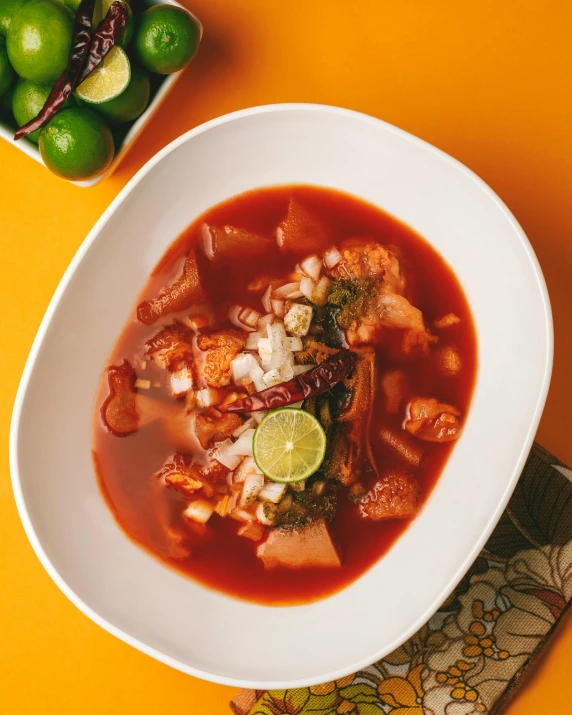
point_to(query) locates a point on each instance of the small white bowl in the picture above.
(163, 613)
(7, 130)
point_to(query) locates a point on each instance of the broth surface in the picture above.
(149, 513)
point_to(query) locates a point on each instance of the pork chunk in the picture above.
(311, 547)
(218, 350)
(394, 496)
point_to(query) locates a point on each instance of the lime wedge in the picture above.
(108, 80)
(289, 445)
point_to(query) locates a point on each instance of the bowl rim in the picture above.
(62, 287)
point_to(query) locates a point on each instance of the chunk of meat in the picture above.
(394, 388)
(394, 496)
(228, 242)
(217, 351)
(402, 444)
(313, 353)
(345, 455)
(310, 547)
(361, 385)
(431, 420)
(119, 411)
(448, 360)
(363, 258)
(301, 229)
(395, 312)
(171, 347)
(183, 294)
(179, 474)
(447, 321)
(185, 476)
(211, 429)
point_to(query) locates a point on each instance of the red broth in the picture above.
(150, 514)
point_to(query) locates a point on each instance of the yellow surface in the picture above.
(488, 82)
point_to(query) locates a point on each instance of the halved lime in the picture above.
(289, 445)
(108, 80)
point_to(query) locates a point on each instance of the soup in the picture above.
(285, 394)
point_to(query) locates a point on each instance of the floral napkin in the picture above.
(469, 658)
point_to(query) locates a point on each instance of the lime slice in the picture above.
(108, 80)
(289, 445)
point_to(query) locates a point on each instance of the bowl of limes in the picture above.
(79, 79)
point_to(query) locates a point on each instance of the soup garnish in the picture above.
(298, 371)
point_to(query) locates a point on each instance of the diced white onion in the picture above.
(293, 344)
(266, 320)
(247, 466)
(266, 298)
(244, 318)
(249, 424)
(181, 381)
(241, 515)
(299, 369)
(243, 445)
(272, 377)
(299, 486)
(251, 487)
(206, 397)
(286, 291)
(258, 416)
(241, 366)
(286, 372)
(223, 454)
(272, 492)
(278, 307)
(200, 511)
(307, 287)
(312, 267)
(322, 291)
(332, 257)
(319, 487)
(266, 514)
(252, 340)
(297, 320)
(251, 530)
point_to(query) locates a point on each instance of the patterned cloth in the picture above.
(468, 659)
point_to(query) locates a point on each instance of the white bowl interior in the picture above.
(170, 616)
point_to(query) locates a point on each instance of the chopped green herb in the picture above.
(352, 297)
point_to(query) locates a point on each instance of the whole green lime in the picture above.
(166, 39)
(77, 144)
(132, 102)
(27, 101)
(8, 9)
(6, 71)
(39, 40)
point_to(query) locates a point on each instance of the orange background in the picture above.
(488, 81)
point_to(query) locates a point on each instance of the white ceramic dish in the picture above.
(7, 130)
(170, 617)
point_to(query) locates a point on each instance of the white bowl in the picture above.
(163, 613)
(7, 130)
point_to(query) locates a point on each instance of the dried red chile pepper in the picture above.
(109, 32)
(313, 382)
(119, 411)
(68, 80)
(86, 53)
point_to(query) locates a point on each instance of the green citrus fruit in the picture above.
(289, 445)
(27, 101)
(8, 9)
(131, 103)
(166, 39)
(39, 40)
(77, 144)
(6, 71)
(108, 80)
